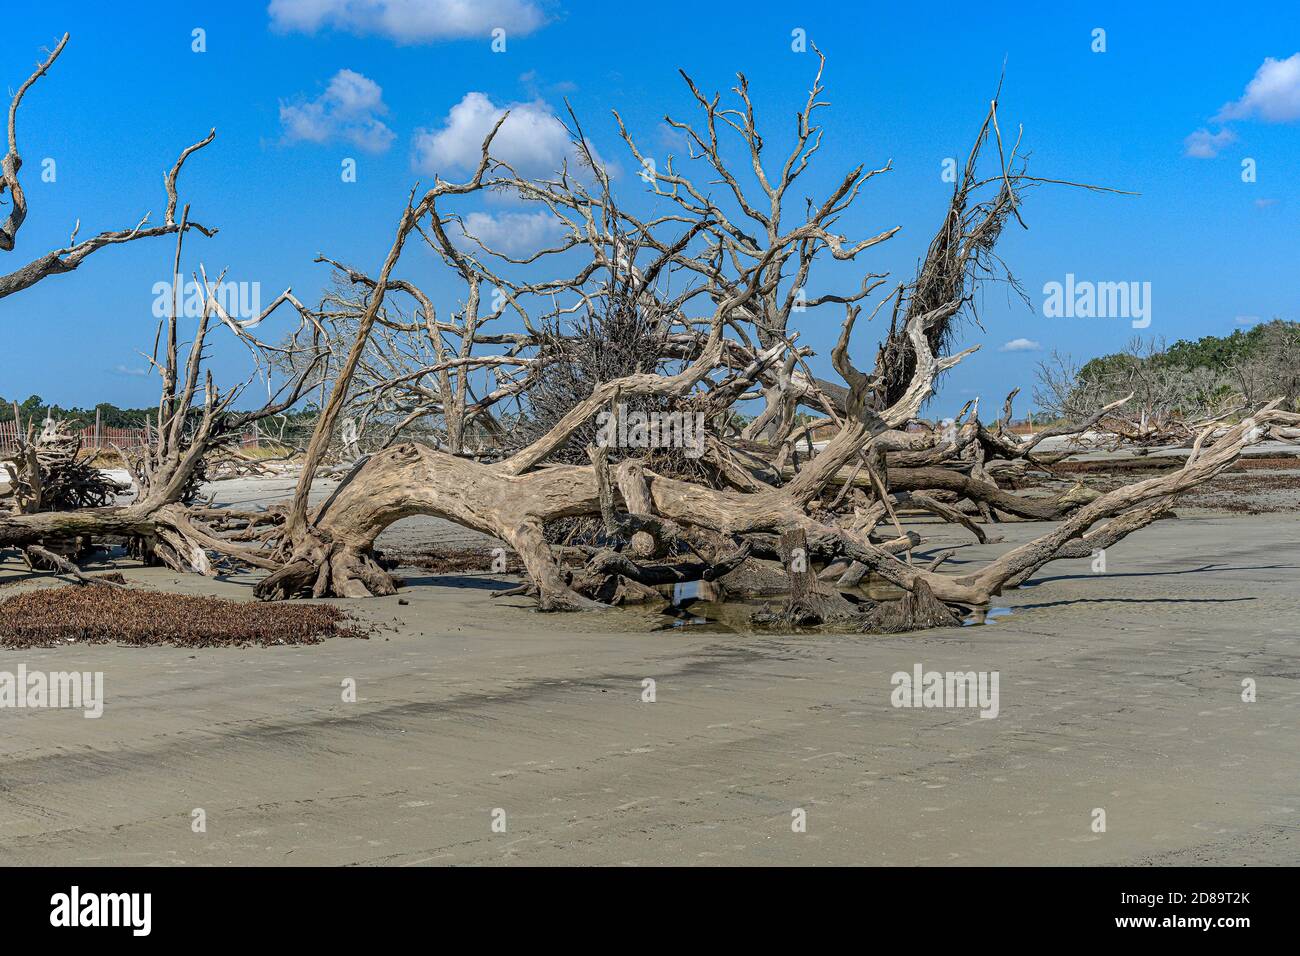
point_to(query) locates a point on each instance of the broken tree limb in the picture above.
(64, 566)
(69, 257)
(976, 589)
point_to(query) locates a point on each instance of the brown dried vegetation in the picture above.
(52, 617)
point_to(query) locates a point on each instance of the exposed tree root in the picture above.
(916, 610)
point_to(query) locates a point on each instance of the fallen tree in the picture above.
(721, 338)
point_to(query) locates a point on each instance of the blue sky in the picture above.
(907, 83)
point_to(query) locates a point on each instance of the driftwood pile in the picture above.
(709, 288)
(48, 472)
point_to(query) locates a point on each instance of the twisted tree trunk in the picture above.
(335, 557)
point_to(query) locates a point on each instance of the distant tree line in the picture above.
(1188, 379)
(35, 408)
(1213, 352)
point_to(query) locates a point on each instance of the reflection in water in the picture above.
(985, 615)
(689, 591)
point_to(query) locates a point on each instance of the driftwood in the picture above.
(760, 488)
(811, 601)
(61, 564)
(48, 473)
(68, 258)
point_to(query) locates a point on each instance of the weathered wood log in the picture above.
(64, 566)
(945, 479)
(977, 588)
(48, 473)
(649, 535)
(636, 496)
(611, 562)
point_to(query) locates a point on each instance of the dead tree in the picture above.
(724, 333)
(69, 257)
(194, 419)
(329, 550)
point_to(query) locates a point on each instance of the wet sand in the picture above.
(1119, 691)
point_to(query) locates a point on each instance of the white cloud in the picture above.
(1020, 345)
(532, 141)
(673, 139)
(408, 21)
(518, 234)
(1273, 95)
(348, 110)
(532, 82)
(1206, 145)
(127, 370)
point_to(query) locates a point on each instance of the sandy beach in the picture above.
(1119, 691)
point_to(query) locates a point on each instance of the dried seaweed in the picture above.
(52, 617)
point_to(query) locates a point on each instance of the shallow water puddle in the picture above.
(986, 616)
(712, 617)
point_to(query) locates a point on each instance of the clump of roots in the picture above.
(916, 610)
